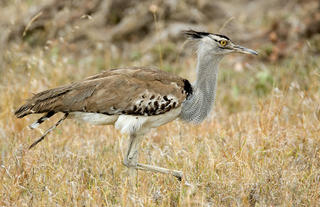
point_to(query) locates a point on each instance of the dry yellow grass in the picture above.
(259, 148)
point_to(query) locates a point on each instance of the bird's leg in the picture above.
(131, 160)
(175, 173)
(131, 157)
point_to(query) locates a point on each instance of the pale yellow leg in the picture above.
(131, 161)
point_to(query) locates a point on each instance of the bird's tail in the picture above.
(23, 111)
(43, 102)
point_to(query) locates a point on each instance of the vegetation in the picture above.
(260, 147)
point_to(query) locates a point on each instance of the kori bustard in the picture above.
(137, 99)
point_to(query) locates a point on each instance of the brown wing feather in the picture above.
(138, 91)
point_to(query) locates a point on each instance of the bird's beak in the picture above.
(238, 48)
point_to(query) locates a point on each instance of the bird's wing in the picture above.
(132, 91)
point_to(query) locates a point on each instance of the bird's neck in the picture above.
(197, 107)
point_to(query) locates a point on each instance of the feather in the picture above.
(129, 91)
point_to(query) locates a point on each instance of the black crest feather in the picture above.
(194, 34)
(198, 35)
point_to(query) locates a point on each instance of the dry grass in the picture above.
(260, 147)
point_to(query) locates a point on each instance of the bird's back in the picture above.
(126, 91)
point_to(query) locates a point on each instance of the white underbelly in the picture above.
(128, 123)
(93, 118)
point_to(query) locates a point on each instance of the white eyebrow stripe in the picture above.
(217, 38)
(213, 38)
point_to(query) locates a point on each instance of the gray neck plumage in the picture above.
(197, 107)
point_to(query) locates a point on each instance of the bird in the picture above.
(137, 99)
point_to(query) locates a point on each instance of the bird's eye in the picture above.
(223, 42)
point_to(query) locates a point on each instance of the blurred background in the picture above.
(89, 36)
(137, 31)
(260, 146)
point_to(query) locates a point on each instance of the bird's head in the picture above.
(217, 44)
